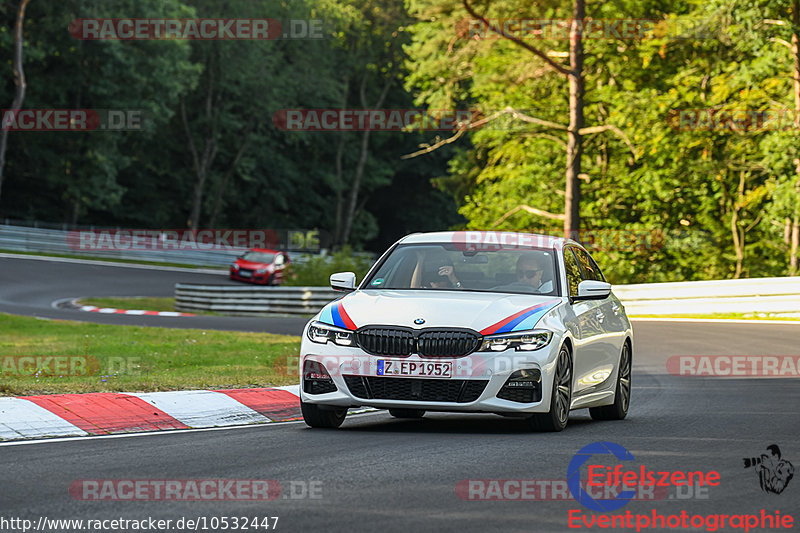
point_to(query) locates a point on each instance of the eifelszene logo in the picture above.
(774, 473)
(618, 476)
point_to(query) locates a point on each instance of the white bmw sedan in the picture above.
(492, 322)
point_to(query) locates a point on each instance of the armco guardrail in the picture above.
(252, 300)
(40, 240)
(762, 295)
(56, 241)
(756, 295)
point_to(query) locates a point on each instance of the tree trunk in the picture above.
(202, 163)
(339, 178)
(339, 223)
(19, 83)
(352, 203)
(793, 262)
(572, 196)
(225, 179)
(794, 246)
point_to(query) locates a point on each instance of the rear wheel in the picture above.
(317, 417)
(407, 413)
(622, 398)
(560, 399)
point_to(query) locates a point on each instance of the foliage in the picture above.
(718, 197)
(315, 271)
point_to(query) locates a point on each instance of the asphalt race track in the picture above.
(31, 286)
(381, 474)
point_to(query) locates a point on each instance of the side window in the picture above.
(279, 260)
(589, 268)
(573, 272)
(600, 276)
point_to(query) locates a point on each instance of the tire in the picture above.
(407, 413)
(622, 396)
(270, 280)
(561, 397)
(316, 417)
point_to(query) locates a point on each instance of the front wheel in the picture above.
(316, 417)
(560, 399)
(622, 397)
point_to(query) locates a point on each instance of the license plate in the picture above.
(245, 274)
(414, 369)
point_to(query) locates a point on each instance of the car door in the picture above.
(584, 326)
(604, 324)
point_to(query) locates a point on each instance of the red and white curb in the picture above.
(112, 311)
(104, 413)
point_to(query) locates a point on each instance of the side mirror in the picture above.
(593, 290)
(343, 281)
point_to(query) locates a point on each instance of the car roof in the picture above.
(488, 238)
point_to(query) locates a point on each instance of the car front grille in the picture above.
(447, 343)
(385, 341)
(415, 389)
(434, 342)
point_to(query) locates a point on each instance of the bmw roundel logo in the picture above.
(419, 321)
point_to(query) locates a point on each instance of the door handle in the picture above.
(600, 316)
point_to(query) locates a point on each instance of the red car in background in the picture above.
(261, 266)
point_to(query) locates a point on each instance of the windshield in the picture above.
(444, 267)
(258, 257)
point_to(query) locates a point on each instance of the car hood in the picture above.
(250, 264)
(487, 313)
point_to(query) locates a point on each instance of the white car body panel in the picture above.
(594, 329)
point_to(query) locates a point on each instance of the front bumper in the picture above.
(258, 279)
(478, 382)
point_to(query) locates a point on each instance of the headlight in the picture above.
(523, 341)
(235, 266)
(321, 333)
(261, 271)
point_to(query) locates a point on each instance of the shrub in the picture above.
(315, 271)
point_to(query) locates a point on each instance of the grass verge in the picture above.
(53, 356)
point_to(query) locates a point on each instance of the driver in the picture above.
(443, 277)
(530, 271)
